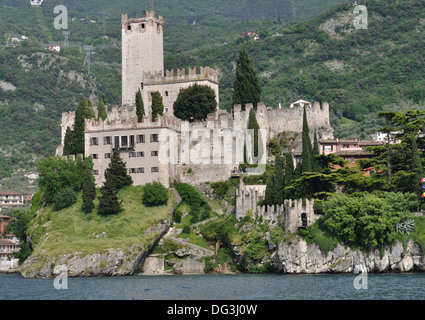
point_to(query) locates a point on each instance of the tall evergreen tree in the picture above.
(278, 181)
(416, 168)
(253, 124)
(108, 201)
(317, 167)
(101, 108)
(157, 105)
(269, 196)
(289, 176)
(79, 127)
(246, 88)
(140, 107)
(307, 165)
(68, 147)
(117, 172)
(89, 187)
(89, 111)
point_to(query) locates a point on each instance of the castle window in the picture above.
(140, 170)
(132, 155)
(140, 154)
(141, 85)
(166, 93)
(154, 169)
(93, 142)
(107, 140)
(154, 138)
(128, 27)
(94, 156)
(95, 172)
(143, 25)
(107, 156)
(141, 138)
(154, 153)
(166, 110)
(132, 170)
(124, 141)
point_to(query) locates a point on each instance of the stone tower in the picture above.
(142, 52)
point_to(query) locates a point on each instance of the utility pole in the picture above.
(66, 42)
(88, 49)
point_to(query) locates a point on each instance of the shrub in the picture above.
(177, 217)
(186, 229)
(155, 195)
(65, 199)
(190, 195)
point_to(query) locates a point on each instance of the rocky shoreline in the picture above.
(296, 257)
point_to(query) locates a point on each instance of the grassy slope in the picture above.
(70, 230)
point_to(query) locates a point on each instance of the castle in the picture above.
(143, 65)
(172, 150)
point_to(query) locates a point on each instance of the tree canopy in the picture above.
(195, 103)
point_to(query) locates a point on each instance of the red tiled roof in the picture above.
(5, 242)
(10, 193)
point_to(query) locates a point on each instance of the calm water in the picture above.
(219, 287)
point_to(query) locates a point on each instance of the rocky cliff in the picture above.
(298, 257)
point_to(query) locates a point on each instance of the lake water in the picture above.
(220, 287)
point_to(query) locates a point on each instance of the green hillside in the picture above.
(360, 72)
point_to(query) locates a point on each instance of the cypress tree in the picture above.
(307, 165)
(269, 196)
(89, 187)
(140, 107)
(68, 147)
(101, 108)
(289, 176)
(117, 172)
(79, 127)
(108, 201)
(246, 88)
(89, 111)
(317, 167)
(278, 181)
(157, 105)
(416, 168)
(253, 124)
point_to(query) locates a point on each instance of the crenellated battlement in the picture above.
(146, 16)
(180, 75)
(293, 214)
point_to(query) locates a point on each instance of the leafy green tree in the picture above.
(140, 107)
(56, 174)
(246, 87)
(368, 220)
(101, 108)
(68, 148)
(64, 199)
(195, 103)
(155, 194)
(117, 172)
(157, 105)
(89, 187)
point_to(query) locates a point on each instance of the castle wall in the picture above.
(291, 119)
(142, 51)
(292, 214)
